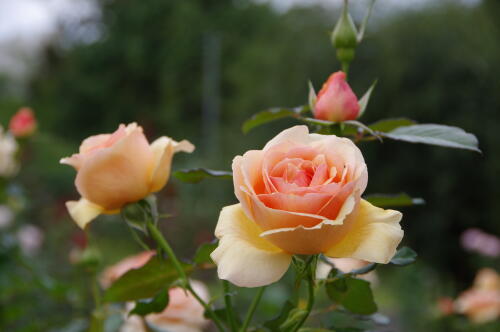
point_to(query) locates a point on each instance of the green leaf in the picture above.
(397, 200)
(274, 324)
(314, 329)
(362, 28)
(272, 114)
(144, 282)
(343, 321)
(294, 316)
(352, 125)
(363, 102)
(317, 122)
(404, 256)
(362, 126)
(202, 255)
(365, 269)
(154, 305)
(196, 175)
(388, 125)
(312, 96)
(353, 294)
(434, 134)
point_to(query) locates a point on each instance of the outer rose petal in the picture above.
(295, 135)
(243, 257)
(117, 175)
(315, 239)
(374, 235)
(163, 150)
(83, 211)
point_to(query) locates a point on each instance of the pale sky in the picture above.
(25, 25)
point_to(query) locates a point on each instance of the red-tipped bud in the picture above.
(23, 123)
(336, 101)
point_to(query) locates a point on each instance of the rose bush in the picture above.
(300, 194)
(183, 312)
(119, 168)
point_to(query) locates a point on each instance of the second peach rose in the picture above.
(119, 168)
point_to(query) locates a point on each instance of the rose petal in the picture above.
(345, 153)
(294, 135)
(243, 257)
(316, 239)
(163, 150)
(96, 141)
(374, 235)
(308, 203)
(117, 175)
(268, 218)
(83, 211)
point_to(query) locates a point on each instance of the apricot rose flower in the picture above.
(119, 168)
(300, 194)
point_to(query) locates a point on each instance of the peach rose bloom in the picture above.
(336, 101)
(119, 168)
(23, 123)
(300, 194)
(481, 303)
(182, 314)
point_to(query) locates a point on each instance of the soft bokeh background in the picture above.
(197, 69)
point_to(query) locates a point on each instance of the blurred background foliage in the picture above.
(197, 69)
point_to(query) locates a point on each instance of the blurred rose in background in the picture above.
(481, 303)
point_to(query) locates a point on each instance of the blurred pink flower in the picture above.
(445, 306)
(114, 272)
(481, 303)
(183, 313)
(476, 240)
(23, 123)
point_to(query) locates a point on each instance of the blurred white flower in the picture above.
(30, 239)
(6, 216)
(8, 148)
(483, 243)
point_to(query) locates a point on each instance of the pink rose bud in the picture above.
(23, 123)
(336, 102)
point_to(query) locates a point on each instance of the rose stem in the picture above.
(252, 308)
(310, 289)
(162, 242)
(229, 306)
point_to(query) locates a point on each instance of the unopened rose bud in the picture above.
(23, 123)
(345, 37)
(336, 101)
